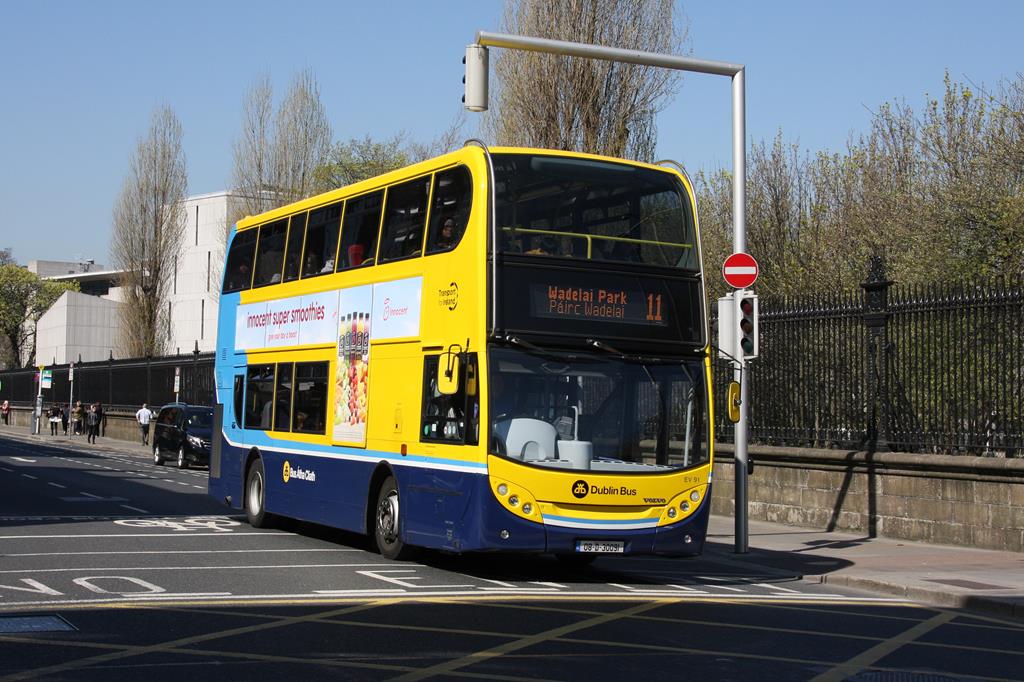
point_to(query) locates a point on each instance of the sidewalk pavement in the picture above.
(939, 575)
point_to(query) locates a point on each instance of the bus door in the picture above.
(449, 432)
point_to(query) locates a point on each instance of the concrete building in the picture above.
(77, 325)
(192, 304)
(88, 323)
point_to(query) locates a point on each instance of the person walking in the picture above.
(77, 418)
(54, 418)
(6, 411)
(143, 416)
(92, 423)
(65, 415)
(101, 425)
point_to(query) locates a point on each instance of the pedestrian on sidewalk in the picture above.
(77, 418)
(92, 423)
(143, 416)
(6, 411)
(54, 418)
(101, 426)
(65, 415)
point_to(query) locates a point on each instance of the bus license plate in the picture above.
(601, 546)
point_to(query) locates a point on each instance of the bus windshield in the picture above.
(597, 412)
(593, 210)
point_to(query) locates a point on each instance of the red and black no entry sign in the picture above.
(740, 270)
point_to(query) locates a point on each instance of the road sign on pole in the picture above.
(740, 270)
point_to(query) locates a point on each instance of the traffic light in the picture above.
(748, 324)
(475, 97)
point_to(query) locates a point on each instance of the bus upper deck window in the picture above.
(359, 231)
(293, 255)
(238, 271)
(449, 209)
(321, 240)
(405, 213)
(270, 253)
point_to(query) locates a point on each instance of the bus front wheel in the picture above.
(255, 496)
(387, 531)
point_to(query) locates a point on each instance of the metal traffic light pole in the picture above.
(475, 99)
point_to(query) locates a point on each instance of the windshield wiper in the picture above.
(516, 341)
(602, 346)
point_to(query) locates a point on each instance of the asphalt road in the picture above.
(112, 568)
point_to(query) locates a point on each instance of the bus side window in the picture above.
(309, 413)
(450, 418)
(359, 230)
(270, 253)
(321, 240)
(283, 398)
(449, 209)
(259, 396)
(405, 213)
(238, 271)
(293, 255)
(239, 395)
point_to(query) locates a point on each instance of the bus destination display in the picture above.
(597, 303)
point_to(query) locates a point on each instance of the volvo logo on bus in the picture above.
(580, 489)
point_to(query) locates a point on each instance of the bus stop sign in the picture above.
(740, 270)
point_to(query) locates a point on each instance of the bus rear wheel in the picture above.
(386, 522)
(255, 496)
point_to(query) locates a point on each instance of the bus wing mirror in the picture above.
(732, 401)
(448, 374)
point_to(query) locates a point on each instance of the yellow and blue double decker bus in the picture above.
(496, 350)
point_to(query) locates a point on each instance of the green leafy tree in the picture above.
(23, 300)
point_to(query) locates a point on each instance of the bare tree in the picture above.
(302, 139)
(253, 175)
(149, 232)
(579, 104)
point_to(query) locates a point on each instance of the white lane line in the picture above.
(22, 459)
(209, 568)
(57, 485)
(34, 478)
(720, 587)
(6, 469)
(90, 495)
(170, 534)
(141, 511)
(182, 551)
(776, 587)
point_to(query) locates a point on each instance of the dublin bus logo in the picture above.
(580, 488)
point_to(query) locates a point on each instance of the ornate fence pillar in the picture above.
(876, 321)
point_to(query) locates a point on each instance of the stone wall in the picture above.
(943, 499)
(120, 425)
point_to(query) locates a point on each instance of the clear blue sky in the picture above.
(79, 81)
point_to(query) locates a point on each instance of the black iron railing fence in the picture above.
(910, 368)
(916, 369)
(118, 384)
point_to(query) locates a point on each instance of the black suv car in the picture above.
(183, 433)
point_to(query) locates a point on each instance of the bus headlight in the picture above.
(695, 496)
(671, 512)
(514, 500)
(684, 507)
(502, 489)
(527, 508)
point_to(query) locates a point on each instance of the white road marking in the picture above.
(226, 568)
(57, 485)
(98, 497)
(181, 551)
(34, 478)
(141, 511)
(22, 459)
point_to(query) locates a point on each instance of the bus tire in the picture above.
(387, 531)
(255, 495)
